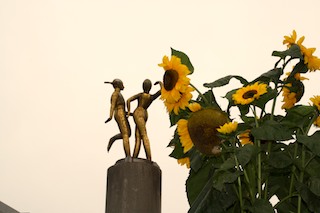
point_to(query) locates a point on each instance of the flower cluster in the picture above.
(239, 164)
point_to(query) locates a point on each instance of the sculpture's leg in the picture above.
(113, 139)
(125, 130)
(143, 134)
(126, 145)
(146, 144)
(137, 144)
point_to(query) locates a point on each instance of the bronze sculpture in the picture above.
(117, 109)
(140, 116)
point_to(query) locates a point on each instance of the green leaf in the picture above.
(224, 81)
(196, 160)
(314, 185)
(183, 114)
(221, 177)
(177, 152)
(184, 59)
(299, 117)
(312, 142)
(279, 160)
(271, 130)
(313, 167)
(272, 75)
(300, 67)
(228, 164)
(265, 98)
(262, 206)
(294, 52)
(312, 201)
(199, 181)
(211, 99)
(246, 153)
(215, 201)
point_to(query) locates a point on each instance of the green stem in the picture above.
(239, 183)
(293, 169)
(258, 142)
(273, 107)
(248, 182)
(202, 96)
(267, 178)
(303, 156)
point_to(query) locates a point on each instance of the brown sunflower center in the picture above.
(249, 94)
(170, 79)
(202, 127)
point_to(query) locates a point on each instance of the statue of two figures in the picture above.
(140, 116)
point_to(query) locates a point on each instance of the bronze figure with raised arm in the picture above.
(140, 116)
(117, 109)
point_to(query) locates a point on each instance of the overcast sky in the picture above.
(56, 54)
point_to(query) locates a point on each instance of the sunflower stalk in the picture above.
(239, 178)
(258, 142)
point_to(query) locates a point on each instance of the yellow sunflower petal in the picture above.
(184, 135)
(184, 161)
(316, 101)
(194, 106)
(227, 128)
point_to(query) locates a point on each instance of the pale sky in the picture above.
(56, 54)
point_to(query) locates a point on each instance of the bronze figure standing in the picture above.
(140, 116)
(117, 109)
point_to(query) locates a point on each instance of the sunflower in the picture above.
(289, 98)
(181, 103)
(313, 62)
(316, 101)
(184, 161)
(248, 94)
(246, 137)
(175, 90)
(227, 128)
(175, 80)
(200, 130)
(293, 90)
(289, 40)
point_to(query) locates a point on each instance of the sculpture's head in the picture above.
(116, 83)
(146, 85)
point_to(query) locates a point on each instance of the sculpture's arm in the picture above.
(157, 94)
(114, 98)
(129, 101)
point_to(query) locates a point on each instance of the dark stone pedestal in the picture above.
(134, 186)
